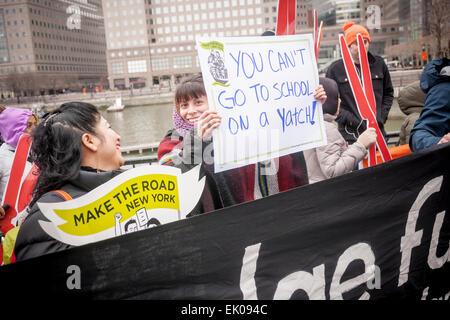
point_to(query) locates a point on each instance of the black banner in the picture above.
(378, 233)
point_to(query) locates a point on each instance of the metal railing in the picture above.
(392, 140)
(133, 162)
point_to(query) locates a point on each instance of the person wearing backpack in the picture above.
(75, 150)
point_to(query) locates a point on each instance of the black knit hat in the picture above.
(332, 91)
(268, 33)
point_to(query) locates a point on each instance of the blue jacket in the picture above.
(434, 120)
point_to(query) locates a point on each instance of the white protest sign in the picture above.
(263, 89)
(137, 199)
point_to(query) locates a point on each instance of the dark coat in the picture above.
(410, 100)
(32, 241)
(434, 120)
(233, 186)
(349, 121)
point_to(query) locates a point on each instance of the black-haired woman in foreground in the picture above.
(75, 150)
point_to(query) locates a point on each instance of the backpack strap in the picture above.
(63, 195)
(10, 240)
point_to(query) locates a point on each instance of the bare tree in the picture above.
(12, 83)
(30, 83)
(439, 22)
(68, 80)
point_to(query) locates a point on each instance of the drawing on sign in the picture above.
(217, 67)
(216, 62)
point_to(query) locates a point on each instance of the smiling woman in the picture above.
(75, 150)
(191, 108)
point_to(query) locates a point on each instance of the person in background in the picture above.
(335, 158)
(349, 121)
(184, 147)
(410, 100)
(13, 123)
(75, 150)
(433, 125)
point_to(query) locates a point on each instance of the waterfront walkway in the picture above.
(99, 99)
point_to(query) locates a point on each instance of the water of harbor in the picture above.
(143, 124)
(146, 124)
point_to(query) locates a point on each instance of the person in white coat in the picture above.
(336, 157)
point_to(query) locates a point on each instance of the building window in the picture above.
(137, 66)
(160, 64)
(117, 67)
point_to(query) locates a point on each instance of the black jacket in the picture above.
(349, 121)
(235, 186)
(32, 241)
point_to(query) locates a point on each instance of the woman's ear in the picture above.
(89, 141)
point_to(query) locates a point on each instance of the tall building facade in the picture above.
(382, 19)
(47, 46)
(304, 18)
(152, 42)
(337, 12)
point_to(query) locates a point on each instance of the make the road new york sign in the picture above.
(136, 199)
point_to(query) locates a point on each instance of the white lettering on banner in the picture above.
(434, 261)
(375, 282)
(413, 238)
(358, 251)
(310, 283)
(247, 281)
(313, 284)
(425, 294)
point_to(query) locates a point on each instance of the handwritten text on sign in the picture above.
(263, 89)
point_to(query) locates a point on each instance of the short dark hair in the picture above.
(191, 87)
(129, 223)
(268, 33)
(153, 221)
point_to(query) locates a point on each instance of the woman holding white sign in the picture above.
(190, 143)
(76, 150)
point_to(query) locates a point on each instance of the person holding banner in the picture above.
(190, 143)
(335, 158)
(349, 120)
(13, 123)
(75, 150)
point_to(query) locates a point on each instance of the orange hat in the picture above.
(351, 30)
